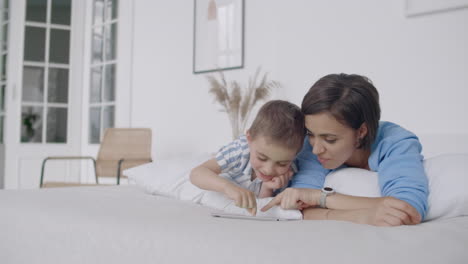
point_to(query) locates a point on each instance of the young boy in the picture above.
(258, 163)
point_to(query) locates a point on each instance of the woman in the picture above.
(342, 115)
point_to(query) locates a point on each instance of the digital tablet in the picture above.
(222, 214)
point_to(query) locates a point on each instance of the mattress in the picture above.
(123, 224)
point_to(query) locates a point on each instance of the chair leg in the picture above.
(118, 171)
(95, 171)
(42, 172)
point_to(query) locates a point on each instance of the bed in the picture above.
(123, 224)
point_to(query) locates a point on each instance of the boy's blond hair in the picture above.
(280, 121)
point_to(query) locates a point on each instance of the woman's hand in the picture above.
(385, 211)
(295, 198)
(391, 212)
(278, 182)
(242, 197)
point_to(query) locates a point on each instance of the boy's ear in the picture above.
(247, 134)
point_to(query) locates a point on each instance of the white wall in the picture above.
(419, 65)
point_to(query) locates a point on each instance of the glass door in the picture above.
(44, 113)
(67, 81)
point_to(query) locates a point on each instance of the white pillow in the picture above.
(448, 183)
(171, 178)
(354, 181)
(168, 177)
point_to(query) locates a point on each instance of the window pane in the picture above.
(96, 83)
(33, 84)
(3, 64)
(56, 125)
(59, 46)
(58, 85)
(94, 125)
(109, 84)
(31, 124)
(36, 10)
(2, 99)
(4, 37)
(2, 119)
(97, 44)
(111, 9)
(61, 12)
(111, 31)
(4, 6)
(34, 44)
(98, 11)
(108, 118)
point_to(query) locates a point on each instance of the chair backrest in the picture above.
(131, 144)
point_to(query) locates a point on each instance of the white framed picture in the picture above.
(424, 7)
(218, 36)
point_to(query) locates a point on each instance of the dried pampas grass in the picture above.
(237, 102)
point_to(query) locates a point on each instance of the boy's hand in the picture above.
(279, 182)
(242, 197)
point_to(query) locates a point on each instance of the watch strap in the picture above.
(326, 191)
(323, 199)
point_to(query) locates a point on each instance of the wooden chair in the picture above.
(121, 148)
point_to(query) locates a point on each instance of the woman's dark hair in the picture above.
(352, 99)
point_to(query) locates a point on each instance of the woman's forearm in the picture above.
(335, 201)
(389, 212)
(315, 214)
(331, 214)
(353, 208)
(347, 202)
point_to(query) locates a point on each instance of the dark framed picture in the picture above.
(218, 35)
(428, 7)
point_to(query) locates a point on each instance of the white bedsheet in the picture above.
(122, 224)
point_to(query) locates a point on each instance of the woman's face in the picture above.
(332, 142)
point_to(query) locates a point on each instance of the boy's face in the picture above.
(268, 159)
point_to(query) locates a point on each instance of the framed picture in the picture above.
(218, 35)
(426, 7)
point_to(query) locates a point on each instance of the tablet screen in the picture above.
(248, 217)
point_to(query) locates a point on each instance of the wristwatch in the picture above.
(326, 191)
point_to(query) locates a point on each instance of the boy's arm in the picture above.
(206, 176)
(269, 188)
